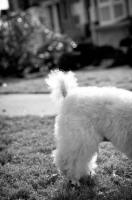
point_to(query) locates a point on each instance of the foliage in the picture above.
(52, 51)
(14, 35)
(86, 54)
(19, 54)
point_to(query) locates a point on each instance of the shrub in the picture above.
(82, 55)
(86, 54)
(52, 51)
(15, 31)
(19, 55)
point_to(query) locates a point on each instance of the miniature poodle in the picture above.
(87, 117)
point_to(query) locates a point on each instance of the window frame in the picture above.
(111, 4)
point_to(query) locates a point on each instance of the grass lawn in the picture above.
(28, 173)
(120, 77)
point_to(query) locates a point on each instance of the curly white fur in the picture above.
(88, 116)
(60, 84)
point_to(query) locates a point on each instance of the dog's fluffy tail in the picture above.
(60, 83)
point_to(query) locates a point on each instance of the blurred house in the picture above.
(68, 16)
(102, 21)
(110, 20)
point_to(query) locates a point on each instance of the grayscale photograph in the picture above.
(65, 99)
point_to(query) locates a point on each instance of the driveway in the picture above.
(27, 104)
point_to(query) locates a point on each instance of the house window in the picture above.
(111, 11)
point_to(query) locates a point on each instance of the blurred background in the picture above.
(39, 35)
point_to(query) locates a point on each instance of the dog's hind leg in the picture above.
(92, 164)
(77, 144)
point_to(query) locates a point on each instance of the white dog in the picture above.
(88, 116)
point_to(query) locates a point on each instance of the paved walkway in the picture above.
(27, 104)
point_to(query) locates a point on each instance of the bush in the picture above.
(15, 31)
(82, 55)
(53, 50)
(86, 54)
(18, 55)
(69, 61)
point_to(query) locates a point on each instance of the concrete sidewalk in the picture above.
(27, 104)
